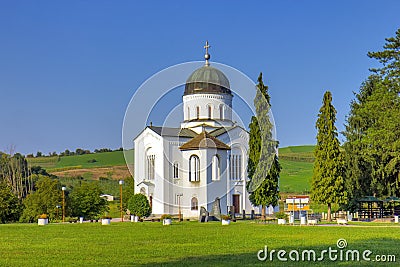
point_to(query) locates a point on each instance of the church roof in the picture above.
(207, 79)
(204, 140)
(174, 132)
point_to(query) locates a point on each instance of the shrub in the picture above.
(139, 205)
(166, 216)
(225, 217)
(281, 215)
(43, 216)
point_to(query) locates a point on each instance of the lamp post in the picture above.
(57, 207)
(63, 202)
(121, 182)
(179, 207)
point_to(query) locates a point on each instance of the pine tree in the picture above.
(327, 185)
(263, 164)
(373, 128)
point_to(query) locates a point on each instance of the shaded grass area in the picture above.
(184, 244)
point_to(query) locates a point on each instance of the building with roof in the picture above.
(184, 168)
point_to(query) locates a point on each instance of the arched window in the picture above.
(194, 204)
(194, 168)
(216, 168)
(188, 113)
(209, 112)
(150, 162)
(236, 167)
(221, 112)
(198, 112)
(176, 170)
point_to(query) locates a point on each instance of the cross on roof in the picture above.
(207, 55)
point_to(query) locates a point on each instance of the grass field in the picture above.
(295, 176)
(106, 159)
(185, 244)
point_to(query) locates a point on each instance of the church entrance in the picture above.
(236, 203)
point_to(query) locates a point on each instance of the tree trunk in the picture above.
(329, 212)
(262, 212)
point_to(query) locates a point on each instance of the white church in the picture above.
(205, 157)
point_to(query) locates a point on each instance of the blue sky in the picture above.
(69, 69)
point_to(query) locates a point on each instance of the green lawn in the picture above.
(187, 244)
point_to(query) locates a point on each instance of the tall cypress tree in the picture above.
(327, 185)
(263, 164)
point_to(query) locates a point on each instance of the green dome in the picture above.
(207, 80)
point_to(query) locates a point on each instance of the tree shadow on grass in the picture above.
(381, 247)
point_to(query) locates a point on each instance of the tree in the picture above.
(373, 128)
(10, 206)
(389, 58)
(43, 200)
(15, 172)
(327, 185)
(263, 164)
(85, 200)
(139, 205)
(128, 191)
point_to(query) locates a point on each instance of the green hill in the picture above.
(86, 161)
(297, 168)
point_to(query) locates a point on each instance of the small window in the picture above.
(194, 168)
(194, 204)
(150, 162)
(209, 112)
(188, 113)
(221, 112)
(216, 168)
(176, 170)
(198, 112)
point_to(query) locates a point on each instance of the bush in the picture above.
(139, 205)
(225, 217)
(166, 216)
(281, 215)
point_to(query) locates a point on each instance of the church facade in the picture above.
(183, 168)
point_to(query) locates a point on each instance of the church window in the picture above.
(198, 112)
(176, 170)
(194, 168)
(194, 204)
(235, 169)
(188, 113)
(221, 112)
(209, 112)
(150, 162)
(216, 168)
